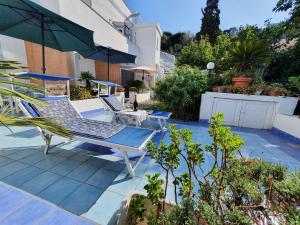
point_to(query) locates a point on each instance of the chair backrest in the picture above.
(114, 103)
(62, 112)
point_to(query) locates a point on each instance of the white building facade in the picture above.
(114, 26)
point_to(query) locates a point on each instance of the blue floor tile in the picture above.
(34, 158)
(83, 172)
(102, 178)
(19, 178)
(49, 162)
(6, 152)
(115, 166)
(21, 154)
(4, 161)
(81, 157)
(10, 201)
(58, 191)
(11, 168)
(99, 211)
(81, 199)
(39, 183)
(37, 210)
(65, 167)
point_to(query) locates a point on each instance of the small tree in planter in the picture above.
(247, 55)
(232, 190)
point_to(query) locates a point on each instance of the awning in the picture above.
(43, 76)
(106, 83)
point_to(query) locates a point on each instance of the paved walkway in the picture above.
(20, 208)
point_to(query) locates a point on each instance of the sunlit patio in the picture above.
(93, 182)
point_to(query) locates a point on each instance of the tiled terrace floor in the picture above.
(92, 181)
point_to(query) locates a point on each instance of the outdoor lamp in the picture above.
(210, 66)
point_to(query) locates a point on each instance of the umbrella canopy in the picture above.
(144, 70)
(29, 21)
(108, 55)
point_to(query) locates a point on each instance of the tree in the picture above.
(87, 77)
(6, 117)
(197, 53)
(211, 21)
(166, 42)
(293, 6)
(181, 92)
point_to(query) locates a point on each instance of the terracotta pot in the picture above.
(274, 92)
(241, 81)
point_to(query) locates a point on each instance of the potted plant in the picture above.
(247, 55)
(276, 89)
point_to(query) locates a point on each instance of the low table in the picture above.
(161, 116)
(128, 116)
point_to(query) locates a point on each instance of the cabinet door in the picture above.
(231, 109)
(256, 114)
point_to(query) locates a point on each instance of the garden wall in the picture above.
(287, 124)
(254, 111)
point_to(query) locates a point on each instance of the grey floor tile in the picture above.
(34, 158)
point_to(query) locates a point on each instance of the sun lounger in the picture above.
(117, 107)
(112, 135)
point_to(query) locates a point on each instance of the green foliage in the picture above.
(137, 210)
(232, 190)
(197, 53)
(137, 84)
(293, 6)
(294, 85)
(173, 43)
(221, 53)
(181, 91)
(8, 119)
(249, 54)
(211, 21)
(87, 77)
(283, 63)
(79, 93)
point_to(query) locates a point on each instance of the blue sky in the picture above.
(185, 15)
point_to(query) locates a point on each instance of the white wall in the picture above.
(286, 106)
(148, 39)
(12, 49)
(112, 10)
(288, 124)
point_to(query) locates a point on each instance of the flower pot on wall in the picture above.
(241, 81)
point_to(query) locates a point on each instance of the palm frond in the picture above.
(12, 93)
(43, 123)
(10, 65)
(21, 84)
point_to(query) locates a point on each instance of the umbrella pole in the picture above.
(108, 64)
(43, 43)
(143, 75)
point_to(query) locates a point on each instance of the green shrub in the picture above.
(181, 91)
(87, 77)
(227, 189)
(136, 85)
(79, 93)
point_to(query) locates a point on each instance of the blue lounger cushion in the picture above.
(160, 114)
